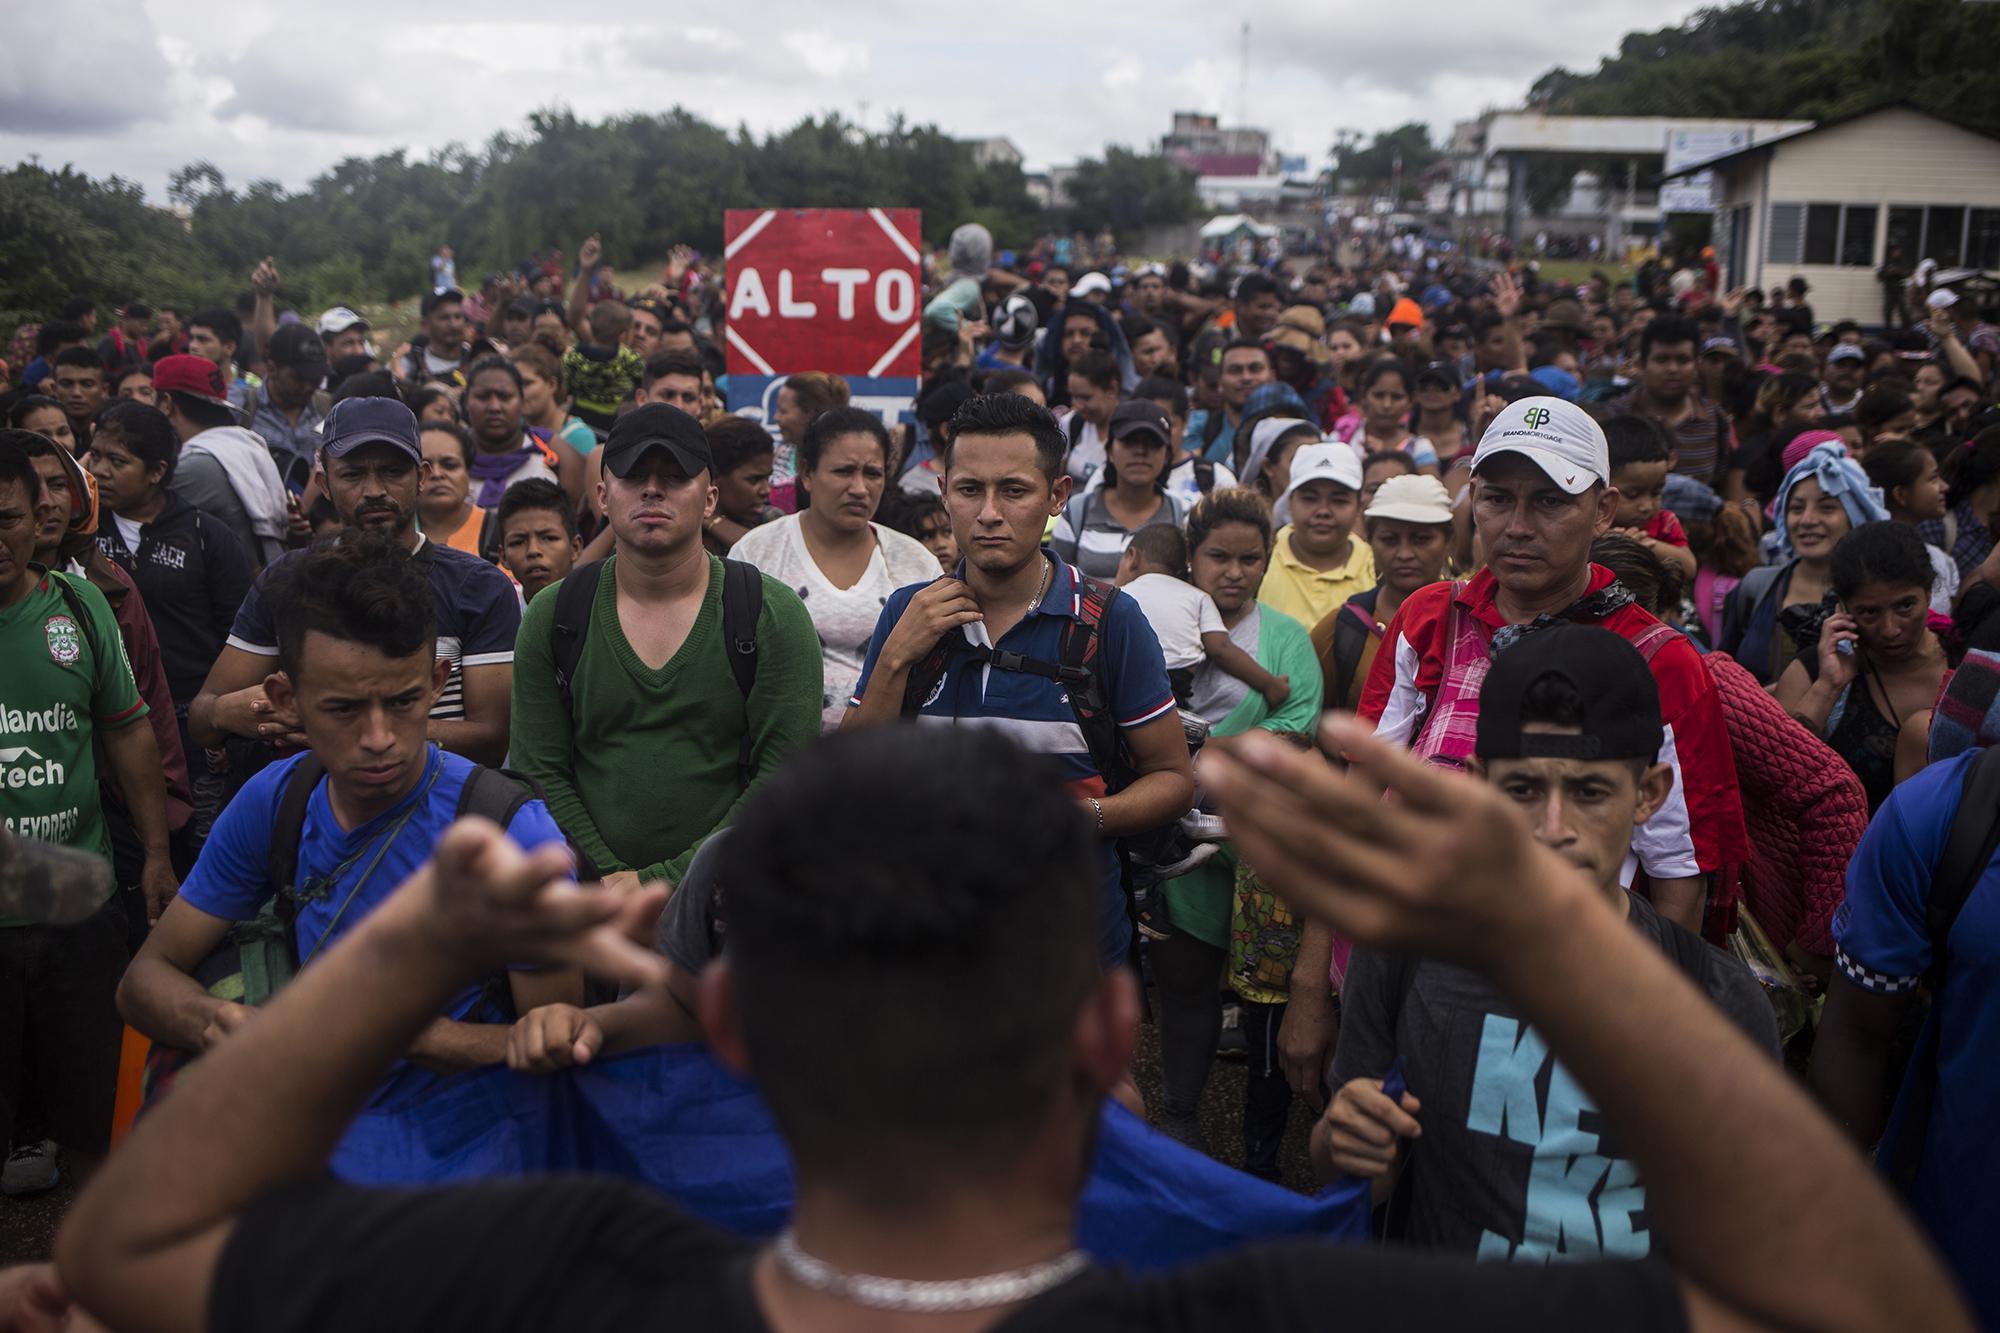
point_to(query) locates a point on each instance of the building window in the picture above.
(1828, 234)
(1944, 235)
(1906, 232)
(1982, 238)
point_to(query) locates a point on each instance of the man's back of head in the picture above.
(908, 994)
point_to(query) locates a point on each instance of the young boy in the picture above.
(538, 539)
(1640, 461)
(744, 456)
(1316, 562)
(924, 517)
(1185, 618)
(603, 372)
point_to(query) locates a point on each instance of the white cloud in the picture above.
(264, 91)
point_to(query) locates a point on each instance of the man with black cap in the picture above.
(660, 660)
(1493, 1149)
(289, 408)
(371, 466)
(223, 470)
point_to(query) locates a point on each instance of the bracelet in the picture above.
(1097, 808)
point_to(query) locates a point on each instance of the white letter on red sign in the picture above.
(749, 295)
(895, 285)
(788, 307)
(846, 279)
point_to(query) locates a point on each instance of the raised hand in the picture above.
(589, 253)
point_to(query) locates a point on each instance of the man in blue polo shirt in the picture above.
(1003, 480)
(358, 667)
(1884, 949)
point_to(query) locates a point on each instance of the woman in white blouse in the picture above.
(842, 564)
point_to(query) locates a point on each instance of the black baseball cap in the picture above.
(1141, 416)
(354, 422)
(657, 426)
(1621, 701)
(296, 347)
(432, 300)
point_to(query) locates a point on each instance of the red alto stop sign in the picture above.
(835, 289)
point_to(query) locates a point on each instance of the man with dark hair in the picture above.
(1212, 434)
(54, 338)
(1569, 731)
(1669, 391)
(672, 378)
(939, 1162)
(80, 310)
(215, 335)
(371, 463)
(80, 387)
(66, 696)
(1257, 305)
(171, 337)
(224, 469)
(1011, 601)
(676, 335)
(125, 346)
(651, 687)
(1153, 352)
(290, 409)
(441, 351)
(538, 541)
(359, 668)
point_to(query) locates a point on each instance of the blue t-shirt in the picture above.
(1035, 713)
(231, 878)
(1883, 946)
(477, 611)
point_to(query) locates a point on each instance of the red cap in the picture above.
(196, 376)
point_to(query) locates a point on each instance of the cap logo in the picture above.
(1536, 417)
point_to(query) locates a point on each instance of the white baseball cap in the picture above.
(339, 320)
(1560, 437)
(1414, 498)
(1091, 283)
(1329, 460)
(1944, 298)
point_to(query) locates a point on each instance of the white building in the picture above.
(1829, 202)
(993, 152)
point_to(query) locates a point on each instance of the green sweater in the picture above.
(1199, 902)
(650, 767)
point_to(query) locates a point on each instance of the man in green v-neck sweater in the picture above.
(648, 765)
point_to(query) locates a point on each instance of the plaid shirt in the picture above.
(1970, 544)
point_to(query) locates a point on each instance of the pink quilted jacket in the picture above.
(1803, 808)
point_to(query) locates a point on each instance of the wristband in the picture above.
(1097, 808)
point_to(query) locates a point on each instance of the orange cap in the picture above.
(1405, 311)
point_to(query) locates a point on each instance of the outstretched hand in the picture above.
(487, 903)
(1440, 866)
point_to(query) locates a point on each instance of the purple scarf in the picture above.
(493, 471)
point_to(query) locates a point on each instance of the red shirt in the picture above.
(1701, 825)
(1665, 527)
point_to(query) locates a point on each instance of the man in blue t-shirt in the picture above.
(1004, 479)
(1884, 950)
(359, 669)
(372, 466)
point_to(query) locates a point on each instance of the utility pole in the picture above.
(1243, 79)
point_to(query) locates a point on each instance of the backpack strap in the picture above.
(1204, 474)
(73, 600)
(1968, 850)
(742, 604)
(288, 825)
(493, 794)
(1079, 669)
(574, 600)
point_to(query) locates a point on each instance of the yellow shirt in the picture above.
(1309, 595)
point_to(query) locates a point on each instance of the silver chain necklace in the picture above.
(914, 1297)
(1042, 588)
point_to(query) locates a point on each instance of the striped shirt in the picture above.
(1035, 712)
(1703, 440)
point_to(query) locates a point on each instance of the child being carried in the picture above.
(1184, 618)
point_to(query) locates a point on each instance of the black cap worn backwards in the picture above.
(1621, 701)
(657, 426)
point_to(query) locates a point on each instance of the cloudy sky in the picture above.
(283, 91)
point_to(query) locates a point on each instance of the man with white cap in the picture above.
(344, 333)
(1315, 562)
(1979, 338)
(1541, 494)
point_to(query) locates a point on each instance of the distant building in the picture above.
(1050, 189)
(993, 152)
(1827, 202)
(1206, 149)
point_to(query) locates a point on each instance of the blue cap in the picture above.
(354, 422)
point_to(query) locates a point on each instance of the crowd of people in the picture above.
(1672, 608)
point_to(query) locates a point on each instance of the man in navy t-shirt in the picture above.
(355, 634)
(1884, 950)
(1004, 478)
(372, 466)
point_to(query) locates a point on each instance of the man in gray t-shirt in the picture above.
(1446, 1099)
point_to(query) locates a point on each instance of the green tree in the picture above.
(1398, 155)
(1126, 191)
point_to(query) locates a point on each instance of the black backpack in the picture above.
(1969, 848)
(742, 604)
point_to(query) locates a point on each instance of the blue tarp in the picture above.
(676, 1120)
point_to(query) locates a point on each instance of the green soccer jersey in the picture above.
(62, 682)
